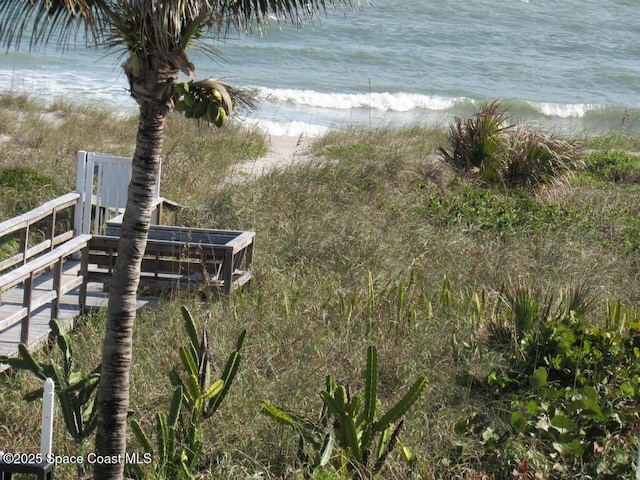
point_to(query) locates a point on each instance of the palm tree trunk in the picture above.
(113, 393)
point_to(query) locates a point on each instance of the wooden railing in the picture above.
(174, 255)
(41, 240)
(43, 244)
(30, 243)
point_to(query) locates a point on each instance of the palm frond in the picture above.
(45, 20)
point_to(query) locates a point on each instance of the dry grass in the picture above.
(350, 252)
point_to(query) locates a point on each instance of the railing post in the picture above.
(52, 230)
(84, 271)
(80, 182)
(43, 469)
(26, 302)
(24, 243)
(57, 287)
(46, 438)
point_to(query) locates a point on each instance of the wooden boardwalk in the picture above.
(39, 323)
(40, 273)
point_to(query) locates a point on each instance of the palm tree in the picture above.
(153, 36)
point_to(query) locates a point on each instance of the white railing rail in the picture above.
(102, 180)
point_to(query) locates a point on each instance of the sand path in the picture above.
(283, 151)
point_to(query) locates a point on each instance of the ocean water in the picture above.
(570, 67)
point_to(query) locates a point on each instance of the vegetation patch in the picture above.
(563, 392)
(515, 303)
(498, 153)
(23, 188)
(617, 166)
(505, 213)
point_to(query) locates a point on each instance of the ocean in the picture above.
(569, 68)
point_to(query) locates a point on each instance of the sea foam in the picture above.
(564, 110)
(383, 101)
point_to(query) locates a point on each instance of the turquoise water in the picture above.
(568, 67)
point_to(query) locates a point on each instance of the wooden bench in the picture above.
(177, 255)
(44, 244)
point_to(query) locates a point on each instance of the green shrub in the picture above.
(176, 446)
(477, 210)
(22, 189)
(565, 393)
(534, 158)
(614, 166)
(76, 393)
(351, 433)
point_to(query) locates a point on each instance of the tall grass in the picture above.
(371, 243)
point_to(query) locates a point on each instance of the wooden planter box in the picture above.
(221, 259)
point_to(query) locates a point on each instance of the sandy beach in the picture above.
(283, 151)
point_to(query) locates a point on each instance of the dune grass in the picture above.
(374, 242)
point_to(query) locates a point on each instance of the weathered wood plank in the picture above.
(20, 274)
(29, 218)
(11, 308)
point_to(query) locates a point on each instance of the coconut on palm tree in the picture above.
(154, 36)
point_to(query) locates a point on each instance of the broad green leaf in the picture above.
(193, 389)
(190, 327)
(518, 423)
(347, 425)
(539, 378)
(189, 361)
(371, 386)
(532, 407)
(174, 409)
(162, 438)
(628, 389)
(332, 404)
(214, 389)
(591, 393)
(33, 366)
(594, 406)
(562, 423)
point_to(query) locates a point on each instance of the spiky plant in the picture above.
(535, 159)
(475, 145)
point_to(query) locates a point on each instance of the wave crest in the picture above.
(383, 101)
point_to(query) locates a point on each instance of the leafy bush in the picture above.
(534, 158)
(486, 146)
(488, 210)
(614, 166)
(179, 433)
(568, 391)
(76, 393)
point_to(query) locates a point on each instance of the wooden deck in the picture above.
(58, 258)
(39, 323)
